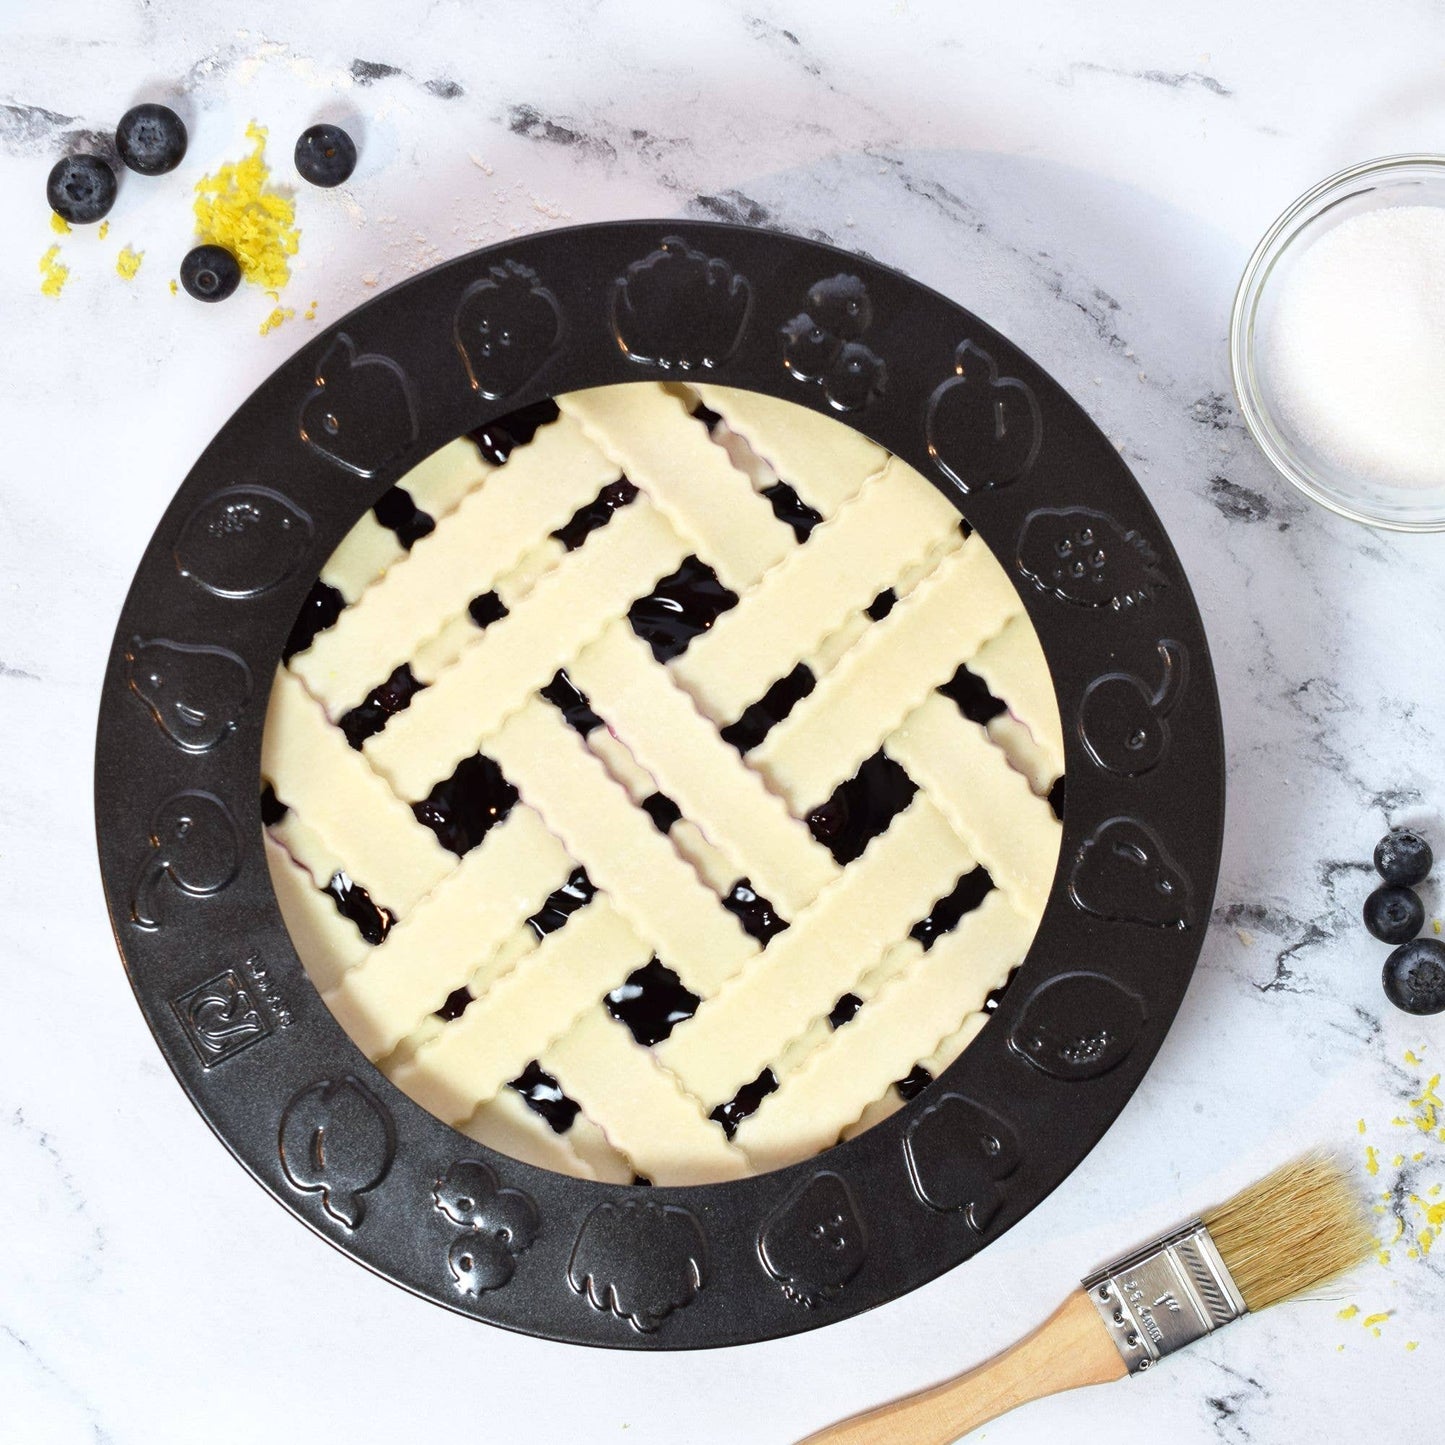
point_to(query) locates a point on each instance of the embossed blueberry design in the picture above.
(195, 693)
(499, 1224)
(220, 1018)
(959, 1154)
(1123, 725)
(680, 309)
(983, 430)
(1123, 873)
(815, 1241)
(193, 845)
(639, 1261)
(338, 1141)
(1078, 1026)
(359, 413)
(1086, 557)
(242, 542)
(506, 326)
(821, 344)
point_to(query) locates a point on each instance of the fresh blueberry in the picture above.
(81, 189)
(1415, 976)
(151, 139)
(210, 273)
(1402, 856)
(325, 155)
(1394, 914)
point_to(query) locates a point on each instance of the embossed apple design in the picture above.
(1123, 873)
(336, 1140)
(193, 845)
(815, 1242)
(1085, 557)
(1124, 725)
(195, 693)
(499, 1224)
(638, 1260)
(680, 309)
(359, 413)
(983, 430)
(242, 541)
(505, 328)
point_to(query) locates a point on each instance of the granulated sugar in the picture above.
(1355, 350)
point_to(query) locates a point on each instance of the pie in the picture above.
(657, 783)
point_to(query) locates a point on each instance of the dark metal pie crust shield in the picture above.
(178, 768)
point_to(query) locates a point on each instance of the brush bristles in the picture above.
(1293, 1231)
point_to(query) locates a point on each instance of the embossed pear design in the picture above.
(193, 846)
(242, 542)
(1078, 1026)
(1087, 558)
(196, 694)
(1123, 724)
(359, 412)
(639, 1261)
(822, 344)
(336, 1140)
(1123, 873)
(814, 1242)
(983, 430)
(506, 326)
(959, 1154)
(680, 309)
(499, 1225)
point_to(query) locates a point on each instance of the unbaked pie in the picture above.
(657, 783)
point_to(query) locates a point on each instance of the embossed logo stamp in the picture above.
(221, 1017)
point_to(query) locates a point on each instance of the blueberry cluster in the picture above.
(1414, 974)
(151, 139)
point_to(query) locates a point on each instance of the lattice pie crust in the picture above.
(595, 975)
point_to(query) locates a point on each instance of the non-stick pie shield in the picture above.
(234, 561)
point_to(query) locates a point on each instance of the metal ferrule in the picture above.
(1165, 1296)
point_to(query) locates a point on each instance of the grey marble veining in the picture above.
(1090, 187)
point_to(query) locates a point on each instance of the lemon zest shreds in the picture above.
(1361, 1126)
(1370, 1321)
(236, 208)
(53, 272)
(1372, 1161)
(175, 290)
(128, 263)
(59, 224)
(1348, 1313)
(104, 231)
(277, 316)
(1411, 1057)
(1412, 1344)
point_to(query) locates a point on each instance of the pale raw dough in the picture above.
(461, 923)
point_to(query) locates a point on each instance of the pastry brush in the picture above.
(1292, 1231)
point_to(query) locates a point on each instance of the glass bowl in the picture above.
(1408, 180)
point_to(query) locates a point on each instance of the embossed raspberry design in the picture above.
(821, 344)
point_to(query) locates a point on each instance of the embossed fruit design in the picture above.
(242, 542)
(1123, 724)
(1123, 873)
(821, 344)
(192, 847)
(1086, 557)
(959, 1153)
(814, 1242)
(499, 1224)
(1078, 1026)
(195, 693)
(359, 413)
(336, 1140)
(680, 308)
(983, 430)
(638, 1260)
(505, 328)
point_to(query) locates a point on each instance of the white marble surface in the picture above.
(1091, 188)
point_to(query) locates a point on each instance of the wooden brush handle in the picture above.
(1071, 1348)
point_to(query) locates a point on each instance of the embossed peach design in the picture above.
(359, 412)
(1123, 725)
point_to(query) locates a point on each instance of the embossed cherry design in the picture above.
(193, 846)
(1123, 724)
